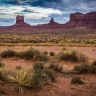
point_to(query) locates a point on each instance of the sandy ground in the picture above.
(63, 86)
(88, 51)
(11, 63)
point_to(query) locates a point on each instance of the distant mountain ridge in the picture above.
(77, 20)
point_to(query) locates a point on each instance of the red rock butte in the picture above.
(77, 20)
(20, 22)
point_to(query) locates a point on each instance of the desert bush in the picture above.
(42, 77)
(46, 53)
(72, 56)
(29, 54)
(84, 68)
(20, 80)
(41, 56)
(94, 63)
(8, 53)
(93, 69)
(33, 54)
(56, 67)
(52, 53)
(38, 65)
(77, 80)
(2, 72)
(50, 74)
(64, 48)
(2, 65)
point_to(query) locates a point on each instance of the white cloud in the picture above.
(35, 12)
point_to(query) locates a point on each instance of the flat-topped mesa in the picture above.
(19, 19)
(76, 17)
(83, 17)
(82, 20)
(20, 22)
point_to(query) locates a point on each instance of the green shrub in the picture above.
(41, 56)
(93, 69)
(72, 56)
(42, 77)
(2, 65)
(29, 54)
(52, 53)
(20, 80)
(64, 48)
(77, 80)
(2, 72)
(8, 53)
(50, 74)
(94, 63)
(33, 54)
(46, 53)
(38, 65)
(56, 67)
(84, 68)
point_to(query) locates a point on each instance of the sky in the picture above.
(40, 11)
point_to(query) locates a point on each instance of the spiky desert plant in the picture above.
(18, 67)
(20, 80)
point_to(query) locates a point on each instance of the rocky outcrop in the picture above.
(20, 22)
(82, 20)
(53, 24)
(77, 21)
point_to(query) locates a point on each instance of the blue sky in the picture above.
(40, 11)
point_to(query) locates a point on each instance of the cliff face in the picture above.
(76, 20)
(82, 20)
(20, 22)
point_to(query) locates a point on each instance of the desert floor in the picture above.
(63, 86)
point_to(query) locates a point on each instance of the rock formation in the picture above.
(77, 21)
(20, 22)
(82, 20)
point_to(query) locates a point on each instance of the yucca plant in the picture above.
(20, 80)
(18, 67)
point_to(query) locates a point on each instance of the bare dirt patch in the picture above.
(63, 86)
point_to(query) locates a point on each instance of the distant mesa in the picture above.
(20, 22)
(82, 20)
(77, 20)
